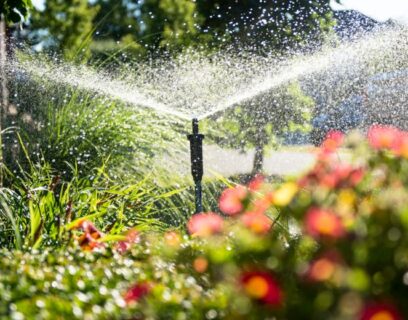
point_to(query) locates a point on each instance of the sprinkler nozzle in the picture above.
(196, 149)
(197, 170)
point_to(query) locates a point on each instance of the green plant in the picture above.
(330, 244)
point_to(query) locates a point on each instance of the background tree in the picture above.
(169, 24)
(11, 11)
(14, 11)
(70, 25)
(262, 121)
(117, 29)
(273, 24)
(268, 27)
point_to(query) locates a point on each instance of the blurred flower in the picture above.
(263, 203)
(324, 267)
(231, 200)
(136, 292)
(323, 223)
(172, 238)
(205, 224)
(400, 146)
(382, 137)
(284, 195)
(333, 141)
(88, 241)
(380, 311)
(200, 264)
(132, 236)
(262, 286)
(257, 222)
(332, 175)
(256, 183)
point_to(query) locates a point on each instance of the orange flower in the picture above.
(382, 137)
(380, 311)
(257, 222)
(231, 200)
(323, 223)
(88, 241)
(205, 224)
(172, 238)
(400, 146)
(136, 292)
(262, 204)
(323, 268)
(333, 141)
(262, 286)
(200, 264)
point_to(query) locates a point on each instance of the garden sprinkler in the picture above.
(196, 148)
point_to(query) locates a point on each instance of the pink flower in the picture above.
(262, 286)
(382, 137)
(256, 183)
(205, 224)
(231, 200)
(380, 311)
(257, 222)
(323, 223)
(132, 236)
(136, 292)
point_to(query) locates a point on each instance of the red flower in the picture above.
(323, 223)
(380, 311)
(257, 222)
(256, 183)
(333, 141)
(382, 137)
(333, 175)
(231, 200)
(136, 292)
(132, 236)
(205, 224)
(262, 286)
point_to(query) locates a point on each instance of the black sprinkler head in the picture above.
(197, 167)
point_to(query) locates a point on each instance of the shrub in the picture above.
(329, 245)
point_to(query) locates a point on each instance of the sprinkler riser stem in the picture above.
(197, 166)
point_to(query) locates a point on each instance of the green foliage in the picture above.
(15, 10)
(277, 25)
(169, 24)
(70, 25)
(343, 256)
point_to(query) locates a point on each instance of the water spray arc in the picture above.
(197, 168)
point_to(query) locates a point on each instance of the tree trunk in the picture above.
(4, 95)
(258, 160)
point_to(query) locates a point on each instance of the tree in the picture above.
(70, 24)
(267, 28)
(253, 124)
(11, 11)
(169, 24)
(14, 11)
(273, 24)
